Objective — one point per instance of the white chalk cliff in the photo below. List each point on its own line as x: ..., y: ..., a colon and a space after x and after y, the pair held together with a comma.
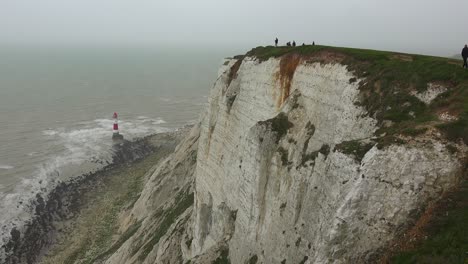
x: 271, y: 183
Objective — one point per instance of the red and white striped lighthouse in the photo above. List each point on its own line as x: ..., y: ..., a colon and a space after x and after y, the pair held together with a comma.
x: 115, y: 129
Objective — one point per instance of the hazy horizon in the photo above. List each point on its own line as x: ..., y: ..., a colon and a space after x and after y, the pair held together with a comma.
x: 424, y: 27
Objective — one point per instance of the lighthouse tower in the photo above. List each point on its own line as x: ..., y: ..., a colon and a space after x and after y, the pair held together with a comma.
x: 115, y: 128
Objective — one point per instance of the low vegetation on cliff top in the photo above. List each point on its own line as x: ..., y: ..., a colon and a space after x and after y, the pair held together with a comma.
x: 444, y: 236
x: 388, y: 83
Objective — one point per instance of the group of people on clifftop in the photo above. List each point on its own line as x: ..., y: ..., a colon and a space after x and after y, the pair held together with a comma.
x: 293, y: 44
x: 464, y: 52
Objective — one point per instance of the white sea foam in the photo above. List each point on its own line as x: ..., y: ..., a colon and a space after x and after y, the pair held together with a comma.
x: 6, y: 167
x: 157, y: 121
x: 92, y: 141
x: 49, y: 132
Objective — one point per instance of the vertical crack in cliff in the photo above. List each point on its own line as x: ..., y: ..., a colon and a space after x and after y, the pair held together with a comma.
x: 299, y: 199
x: 212, y: 124
x: 232, y: 89
x: 264, y: 177
x: 205, y: 215
x: 288, y: 65
x: 271, y: 134
x: 310, y: 131
x: 233, y: 71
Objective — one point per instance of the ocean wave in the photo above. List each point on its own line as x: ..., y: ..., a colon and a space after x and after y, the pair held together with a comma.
x: 158, y: 121
x: 89, y: 146
x: 50, y: 132
x: 6, y: 167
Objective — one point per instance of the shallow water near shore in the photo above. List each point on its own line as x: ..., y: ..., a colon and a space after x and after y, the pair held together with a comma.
x: 56, y: 107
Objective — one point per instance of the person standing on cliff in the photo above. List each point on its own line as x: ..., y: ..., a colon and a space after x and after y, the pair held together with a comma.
x: 465, y: 56
x: 276, y: 42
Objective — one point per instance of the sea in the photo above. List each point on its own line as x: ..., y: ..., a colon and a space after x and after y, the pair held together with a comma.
x: 56, y: 107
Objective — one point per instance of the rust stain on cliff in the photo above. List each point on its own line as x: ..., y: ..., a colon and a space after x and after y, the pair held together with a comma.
x: 288, y: 65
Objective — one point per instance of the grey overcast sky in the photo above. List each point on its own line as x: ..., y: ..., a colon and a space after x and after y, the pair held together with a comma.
x: 436, y: 27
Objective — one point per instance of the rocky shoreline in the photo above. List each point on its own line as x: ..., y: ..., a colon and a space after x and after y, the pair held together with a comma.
x: 55, y: 211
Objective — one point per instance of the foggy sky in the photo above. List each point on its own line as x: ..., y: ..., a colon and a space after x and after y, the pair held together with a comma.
x: 436, y: 27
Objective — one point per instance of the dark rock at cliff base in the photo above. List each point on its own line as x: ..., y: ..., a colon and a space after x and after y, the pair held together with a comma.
x: 63, y: 202
x: 117, y: 137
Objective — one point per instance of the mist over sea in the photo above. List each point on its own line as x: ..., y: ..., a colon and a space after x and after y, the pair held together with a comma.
x: 56, y: 107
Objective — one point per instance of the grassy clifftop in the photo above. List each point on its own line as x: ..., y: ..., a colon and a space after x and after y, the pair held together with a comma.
x: 389, y: 82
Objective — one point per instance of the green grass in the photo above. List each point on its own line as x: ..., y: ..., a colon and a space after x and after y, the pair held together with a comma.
x: 279, y: 124
x: 253, y: 259
x: 223, y: 257
x: 447, y: 233
x: 304, y: 260
x: 414, y: 131
x: 457, y: 129
x: 103, y: 231
x: 389, y: 80
x: 122, y: 239
x: 183, y: 201
x: 356, y: 148
x: 95, y: 233
x: 324, y: 149
x: 264, y: 53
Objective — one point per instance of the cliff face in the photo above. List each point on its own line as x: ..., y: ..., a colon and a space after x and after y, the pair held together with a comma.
x: 297, y: 162
x: 287, y: 168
